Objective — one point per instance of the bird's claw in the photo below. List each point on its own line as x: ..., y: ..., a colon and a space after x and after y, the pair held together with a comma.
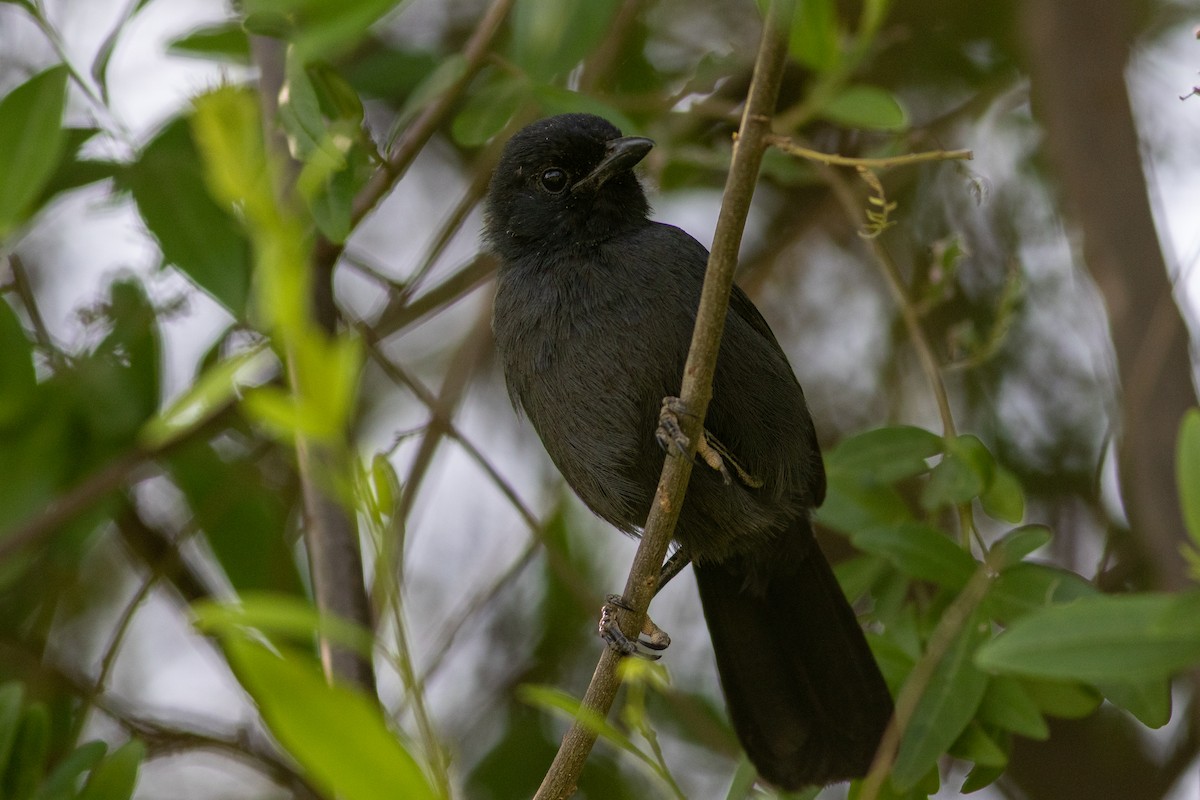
x: 610, y: 631
x: 669, y: 434
x: 709, y: 449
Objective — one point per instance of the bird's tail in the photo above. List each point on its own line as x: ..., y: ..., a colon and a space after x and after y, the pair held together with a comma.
x: 804, y: 692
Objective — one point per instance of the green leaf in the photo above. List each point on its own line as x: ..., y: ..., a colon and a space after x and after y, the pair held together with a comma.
x: 1007, y: 705
x: 195, y: 234
x: 885, y: 455
x: 117, y: 387
x: 330, y: 181
x: 852, y: 505
x: 919, y: 551
x: 27, y: 764
x: 338, y: 98
x: 385, y: 483
x: 963, y: 474
x: 225, y: 41
x: 116, y: 776
x: 1018, y: 543
x: 73, y: 172
x: 300, y: 109
x: 279, y: 615
x: 385, y: 72
x: 1187, y: 472
x: 1027, y: 587
x: 317, y: 28
x: 857, y: 574
x: 550, y: 37
x: 443, y: 76
x: 208, y: 394
x: 486, y: 112
x: 61, y: 782
x: 975, y: 745
x: 865, y: 107
x: 104, y: 52
x: 555, y: 100
x: 947, y: 705
x: 1149, y: 701
x: 12, y: 697
x: 337, y: 734
x: 815, y: 38
x: 551, y: 699
x: 1101, y: 639
x: 227, y: 129
x: 38, y: 457
x: 1064, y: 699
x: 980, y: 777
x: 1003, y: 499
x: 31, y: 142
x: 894, y: 661
x: 244, y: 516
x: 17, y: 374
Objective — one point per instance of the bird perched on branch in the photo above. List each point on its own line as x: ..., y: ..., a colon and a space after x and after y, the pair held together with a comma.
x: 593, y: 317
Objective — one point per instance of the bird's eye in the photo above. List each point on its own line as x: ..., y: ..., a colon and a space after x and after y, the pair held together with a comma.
x: 553, y: 180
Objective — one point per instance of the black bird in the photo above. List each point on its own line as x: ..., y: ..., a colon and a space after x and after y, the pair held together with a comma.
x: 594, y: 311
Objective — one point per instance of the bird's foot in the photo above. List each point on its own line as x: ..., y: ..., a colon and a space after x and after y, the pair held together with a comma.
x: 672, y: 438
x: 655, y: 637
x: 669, y: 433
x: 717, y: 456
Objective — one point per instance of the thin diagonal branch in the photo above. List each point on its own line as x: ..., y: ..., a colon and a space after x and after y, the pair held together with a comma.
x: 560, y: 780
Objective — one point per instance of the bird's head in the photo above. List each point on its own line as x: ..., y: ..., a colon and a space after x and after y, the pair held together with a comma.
x: 565, y: 181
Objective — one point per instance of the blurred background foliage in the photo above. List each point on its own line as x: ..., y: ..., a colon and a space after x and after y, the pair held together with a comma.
x: 233, y: 237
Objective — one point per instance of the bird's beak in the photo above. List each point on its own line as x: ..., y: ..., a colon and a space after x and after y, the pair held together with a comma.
x: 619, y: 155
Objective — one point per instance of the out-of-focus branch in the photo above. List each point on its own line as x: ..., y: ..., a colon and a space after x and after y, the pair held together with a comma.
x: 330, y: 532
x: 560, y: 780
x: 396, y: 318
x: 94, y: 487
x: 1078, y: 50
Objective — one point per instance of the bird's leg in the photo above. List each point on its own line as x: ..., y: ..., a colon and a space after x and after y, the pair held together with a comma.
x: 672, y: 438
x: 709, y: 449
x: 654, y: 637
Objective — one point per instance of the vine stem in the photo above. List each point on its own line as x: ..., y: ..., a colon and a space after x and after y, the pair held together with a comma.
x: 792, y: 147
x: 952, y: 623
x: 561, y: 779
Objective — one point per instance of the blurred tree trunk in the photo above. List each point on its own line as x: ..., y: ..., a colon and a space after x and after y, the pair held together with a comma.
x: 1077, y: 52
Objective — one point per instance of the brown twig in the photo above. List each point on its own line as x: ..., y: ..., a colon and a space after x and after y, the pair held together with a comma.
x: 561, y: 779
x: 396, y: 317
x: 791, y: 147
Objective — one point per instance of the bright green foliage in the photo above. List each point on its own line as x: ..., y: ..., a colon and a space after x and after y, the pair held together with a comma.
x: 945, y: 709
x: 1099, y: 638
x: 196, y: 235
x: 32, y: 139
x: 1187, y: 472
x: 865, y: 107
x: 28, y: 771
x: 338, y: 735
